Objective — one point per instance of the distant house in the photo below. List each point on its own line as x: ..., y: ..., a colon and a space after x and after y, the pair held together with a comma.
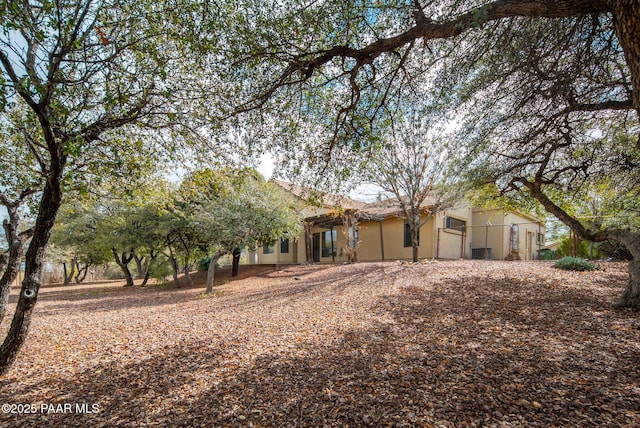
x: 382, y: 232
x: 549, y: 251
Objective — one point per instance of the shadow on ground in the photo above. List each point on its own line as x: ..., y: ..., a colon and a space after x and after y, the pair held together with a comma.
x: 471, y: 352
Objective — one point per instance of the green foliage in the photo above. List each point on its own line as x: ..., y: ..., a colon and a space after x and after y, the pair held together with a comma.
x: 160, y: 269
x: 203, y: 264
x: 565, y: 248
x: 235, y: 208
x: 575, y: 263
x: 76, y: 234
x: 211, y: 211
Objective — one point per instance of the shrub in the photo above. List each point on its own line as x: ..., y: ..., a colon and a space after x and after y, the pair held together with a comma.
x: 565, y: 248
x: 203, y: 264
x: 160, y: 269
x: 575, y: 263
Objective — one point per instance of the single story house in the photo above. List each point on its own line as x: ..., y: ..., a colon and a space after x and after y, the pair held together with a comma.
x: 333, y: 224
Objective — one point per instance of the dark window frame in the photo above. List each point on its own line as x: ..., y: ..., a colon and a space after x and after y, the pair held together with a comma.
x: 284, y: 246
x: 455, y: 224
x: 329, y: 241
x: 407, y: 235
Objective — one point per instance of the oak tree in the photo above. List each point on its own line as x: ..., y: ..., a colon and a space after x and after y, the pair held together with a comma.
x: 85, y: 76
x: 552, y: 88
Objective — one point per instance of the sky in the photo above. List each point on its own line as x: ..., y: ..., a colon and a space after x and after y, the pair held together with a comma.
x: 363, y: 192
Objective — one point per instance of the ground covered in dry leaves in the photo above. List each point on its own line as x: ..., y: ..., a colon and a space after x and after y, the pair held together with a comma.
x: 380, y: 344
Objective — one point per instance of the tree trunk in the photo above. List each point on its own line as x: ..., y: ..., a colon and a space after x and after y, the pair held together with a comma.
x: 187, y: 260
x: 235, y: 265
x: 140, y: 266
x: 174, y: 264
x: 211, y: 272
x: 415, y: 240
x: 145, y: 279
x: 308, y: 242
x: 631, y: 296
x: 414, y: 249
x: 175, y: 269
x: 68, y: 273
x: 626, y: 15
x: 47, y: 211
x: 124, y: 265
x: 351, y: 250
x: 4, y: 261
x: 187, y: 275
x: 82, y: 271
x: 147, y: 260
x: 11, y: 264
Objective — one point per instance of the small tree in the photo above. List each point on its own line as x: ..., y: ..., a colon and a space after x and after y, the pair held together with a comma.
x: 239, y: 210
x: 410, y: 167
x: 74, y: 240
x: 350, y: 232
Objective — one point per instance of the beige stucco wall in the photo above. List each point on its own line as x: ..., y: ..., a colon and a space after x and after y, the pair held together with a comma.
x: 435, y: 239
x: 370, y: 243
x: 392, y: 240
x: 369, y: 237
x: 278, y: 257
x: 497, y: 235
x: 527, y: 236
x: 451, y: 244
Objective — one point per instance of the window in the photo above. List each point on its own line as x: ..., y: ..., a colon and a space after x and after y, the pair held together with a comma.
x: 540, y: 238
x: 267, y: 249
x: 407, y: 235
x: 284, y: 246
x: 455, y: 224
x: 329, y: 238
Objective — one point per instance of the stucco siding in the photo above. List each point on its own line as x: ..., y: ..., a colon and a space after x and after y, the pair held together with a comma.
x: 453, y: 243
x: 493, y: 229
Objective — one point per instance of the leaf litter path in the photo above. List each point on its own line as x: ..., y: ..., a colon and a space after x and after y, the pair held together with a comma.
x: 452, y: 344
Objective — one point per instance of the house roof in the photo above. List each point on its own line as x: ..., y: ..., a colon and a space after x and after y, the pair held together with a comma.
x: 391, y: 207
x: 378, y: 210
x: 330, y: 208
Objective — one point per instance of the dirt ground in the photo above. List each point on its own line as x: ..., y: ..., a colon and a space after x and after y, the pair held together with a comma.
x: 438, y: 344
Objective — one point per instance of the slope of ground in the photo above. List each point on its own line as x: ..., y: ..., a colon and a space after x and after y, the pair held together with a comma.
x: 380, y: 344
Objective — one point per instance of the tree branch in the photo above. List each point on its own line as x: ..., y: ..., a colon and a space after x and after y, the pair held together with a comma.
x: 306, y: 64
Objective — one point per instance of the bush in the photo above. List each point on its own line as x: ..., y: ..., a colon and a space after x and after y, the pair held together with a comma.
x: 203, y: 264
x: 564, y: 249
x: 160, y: 269
x: 575, y: 263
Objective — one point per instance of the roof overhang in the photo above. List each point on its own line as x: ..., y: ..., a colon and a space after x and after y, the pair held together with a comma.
x: 328, y: 221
